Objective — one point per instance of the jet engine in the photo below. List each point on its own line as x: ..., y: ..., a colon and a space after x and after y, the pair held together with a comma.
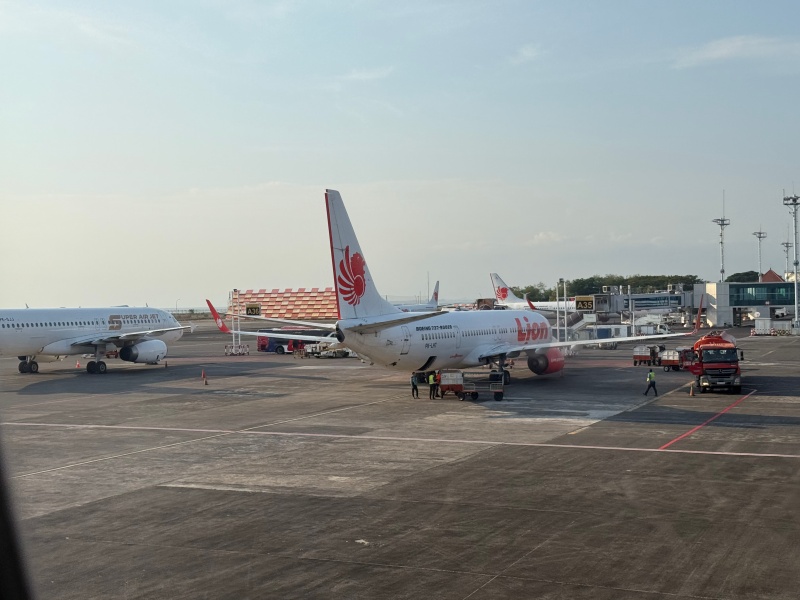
x: 149, y: 352
x: 544, y: 363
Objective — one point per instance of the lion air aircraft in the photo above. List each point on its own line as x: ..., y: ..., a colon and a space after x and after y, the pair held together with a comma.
x: 139, y: 335
x: 508, y: 299
x: 380, y: 332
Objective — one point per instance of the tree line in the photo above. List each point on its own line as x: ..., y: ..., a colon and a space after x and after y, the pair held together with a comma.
x: 640, y: 284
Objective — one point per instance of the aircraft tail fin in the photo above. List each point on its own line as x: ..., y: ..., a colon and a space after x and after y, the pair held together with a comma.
x: 434, y: 301
x: 356, y: 294
x: 502, y: 292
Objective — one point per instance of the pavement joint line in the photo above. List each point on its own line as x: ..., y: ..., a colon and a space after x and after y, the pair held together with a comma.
x: 519, y: 559
x: 421, y: 568
x: 714, y: 418
x: 185, y: 442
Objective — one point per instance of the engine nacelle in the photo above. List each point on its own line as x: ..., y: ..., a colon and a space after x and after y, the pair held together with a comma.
x: 547, y: 362
x: 149, y: 352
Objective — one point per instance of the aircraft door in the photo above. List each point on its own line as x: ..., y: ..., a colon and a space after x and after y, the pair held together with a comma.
x: 458, y: 337
x: 406, y: 340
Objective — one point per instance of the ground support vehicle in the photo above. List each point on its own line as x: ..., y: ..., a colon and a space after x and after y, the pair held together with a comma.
x: 237, y: 349
x: 470, y: 384
x: 677, y: 359
x: 335, y: 353
x: 716, y: 363
x: 645, y: 355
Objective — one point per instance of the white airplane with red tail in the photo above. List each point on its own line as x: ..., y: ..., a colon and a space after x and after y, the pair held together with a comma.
x: 508, y: 299
x: 380, y: 332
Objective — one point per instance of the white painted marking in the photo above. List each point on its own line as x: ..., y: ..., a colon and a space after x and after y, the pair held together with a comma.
x: 369, y: 438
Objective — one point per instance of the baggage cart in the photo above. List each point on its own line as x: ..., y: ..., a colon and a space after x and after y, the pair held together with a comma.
x: 645, y: 355
x: 471, y: 384
x: 677, y: 359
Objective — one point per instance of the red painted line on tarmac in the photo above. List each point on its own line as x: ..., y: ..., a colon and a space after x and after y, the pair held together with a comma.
x: 716, y: 416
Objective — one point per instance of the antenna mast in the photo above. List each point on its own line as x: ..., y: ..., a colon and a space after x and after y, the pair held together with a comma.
x: 723, y: 223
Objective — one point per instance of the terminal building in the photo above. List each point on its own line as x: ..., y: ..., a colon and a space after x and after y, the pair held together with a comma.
x: 724, y: 304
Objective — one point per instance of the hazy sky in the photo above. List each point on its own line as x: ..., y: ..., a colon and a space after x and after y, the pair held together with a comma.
x: 164, y: 152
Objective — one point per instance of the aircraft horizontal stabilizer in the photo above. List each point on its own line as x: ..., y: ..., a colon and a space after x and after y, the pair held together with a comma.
x: 380, y: 323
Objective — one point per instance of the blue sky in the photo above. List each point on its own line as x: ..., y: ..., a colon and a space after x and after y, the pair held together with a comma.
x: 164, y: 152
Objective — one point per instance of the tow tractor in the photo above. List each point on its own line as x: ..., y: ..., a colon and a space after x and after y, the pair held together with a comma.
x: 470, y: 384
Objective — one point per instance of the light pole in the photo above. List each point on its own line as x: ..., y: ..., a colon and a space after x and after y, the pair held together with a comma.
x: 558, y: 310
x: 176, y: 305
x: 791, y: 202
x: 786, y: 245
x: 760, y: 235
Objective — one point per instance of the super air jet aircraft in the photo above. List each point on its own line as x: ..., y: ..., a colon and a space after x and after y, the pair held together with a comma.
x: 432, y: 305
x: 380, y: 332
x: 139, y: 335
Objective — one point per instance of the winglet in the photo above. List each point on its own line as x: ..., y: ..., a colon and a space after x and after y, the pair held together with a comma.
x: 528, y: 300
x: 699, y: 313
x: 217, y: 319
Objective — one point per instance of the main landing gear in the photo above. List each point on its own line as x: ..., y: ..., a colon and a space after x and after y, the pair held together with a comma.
x: 501, y: 367
x: 98, y: 367
x: 26, y: 366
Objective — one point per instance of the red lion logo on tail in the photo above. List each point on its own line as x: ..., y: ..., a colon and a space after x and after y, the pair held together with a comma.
x: 352, y: 277
x: 502, y: 293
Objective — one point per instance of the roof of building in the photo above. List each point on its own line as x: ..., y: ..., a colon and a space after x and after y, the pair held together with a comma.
x: 305, y: 304
x: 771, y: 277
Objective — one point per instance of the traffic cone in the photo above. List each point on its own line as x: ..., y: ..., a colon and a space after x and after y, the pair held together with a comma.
x: 77, y: 364
x: 203, y: 374
x: 691, y: 389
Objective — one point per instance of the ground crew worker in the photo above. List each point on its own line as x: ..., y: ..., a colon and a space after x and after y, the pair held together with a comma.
x: 414, y: 388
x: 432, y: 384
x: 439, y: 393
x: 651, y: 382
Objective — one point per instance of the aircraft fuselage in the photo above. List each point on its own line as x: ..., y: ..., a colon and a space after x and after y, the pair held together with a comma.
x: 52, y: 331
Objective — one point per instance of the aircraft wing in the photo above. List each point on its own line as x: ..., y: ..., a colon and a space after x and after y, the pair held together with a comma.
x: 499, y: 349
x: 320, y: 339
x: 281, y: 336
x: 375, y: 324
x: 517, y: 348
x: 315, y: 325
x: 95, y: 340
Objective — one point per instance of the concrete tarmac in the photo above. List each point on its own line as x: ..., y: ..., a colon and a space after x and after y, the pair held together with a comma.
x: 322, y: 478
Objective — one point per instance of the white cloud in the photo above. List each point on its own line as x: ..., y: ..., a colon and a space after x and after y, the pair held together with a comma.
x: 22, y: 18
x: 526, y: 54
x: 368, y: 74
x: 545, y: 238
x: 743, y: 47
